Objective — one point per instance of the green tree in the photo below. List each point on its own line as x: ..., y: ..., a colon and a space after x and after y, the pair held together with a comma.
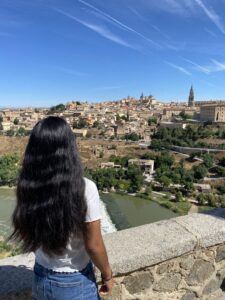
x: 81, y: 123
x: 189, y: 187
x: 21, y: 131
x: 184, y: 115
x: 178, y: 196
x: 9, y: 167
x: 221, y: 189
x: 208, y: 160
x: 201, y: 199
x: 221, y: 171
x: 10, y: 132
x: 152, y: 120
x: 200, y: 171
x: 114, y: 147
x: 132, y: 136
x: 211, y: 199
x: 56, y: 109
x: 95, y: 124
x: 222, y: 161
x: 16, y: 121
x: 166, y: 181
x: 148, y: 155
x: 135, y: 175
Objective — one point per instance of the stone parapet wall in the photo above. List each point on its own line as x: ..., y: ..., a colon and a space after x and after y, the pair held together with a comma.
x: 197, y: 275
x: 181, y: 258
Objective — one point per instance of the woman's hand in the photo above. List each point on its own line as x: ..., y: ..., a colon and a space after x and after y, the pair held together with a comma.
x: 96, y: 249
x: 106, y: 287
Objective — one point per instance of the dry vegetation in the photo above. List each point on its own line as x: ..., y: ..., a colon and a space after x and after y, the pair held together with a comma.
x: 87, y: 149
x: 12, y: 144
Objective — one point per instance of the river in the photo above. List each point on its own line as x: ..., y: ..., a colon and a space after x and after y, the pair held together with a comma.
x: 118, y: 212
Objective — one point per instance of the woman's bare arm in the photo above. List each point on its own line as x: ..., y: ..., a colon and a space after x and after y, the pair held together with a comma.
x: 95, y: 247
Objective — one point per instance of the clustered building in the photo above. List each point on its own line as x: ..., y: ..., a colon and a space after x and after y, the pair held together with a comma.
x: 120, y: 118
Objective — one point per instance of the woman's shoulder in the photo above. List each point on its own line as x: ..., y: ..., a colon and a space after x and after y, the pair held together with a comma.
x: 89, y: 184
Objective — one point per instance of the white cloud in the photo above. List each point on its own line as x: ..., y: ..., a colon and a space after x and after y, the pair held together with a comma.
x: 179, y: 68
x: 103, y: 31
x: 213, y: 67
x: 118, y: 23
x: 181, y: 7
x: 134, y: 11
x: 218, y: 65
x: 211, y: 15
x: 210, y: 32
x: 197, y: 66
x: 161, y: 32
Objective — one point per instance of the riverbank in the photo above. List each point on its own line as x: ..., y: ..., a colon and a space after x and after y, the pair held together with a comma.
x: 8, y: 249
x: 181, y: 207
x: 7, y: 187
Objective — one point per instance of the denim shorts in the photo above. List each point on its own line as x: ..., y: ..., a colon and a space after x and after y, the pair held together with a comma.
x: 49, y: 285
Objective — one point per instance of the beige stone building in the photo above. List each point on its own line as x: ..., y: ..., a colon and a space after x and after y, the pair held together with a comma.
x: 168, y: 113
x: 146, y: 164
x: 80, y: 132
x: 110, y: 165
x: 212, y: 112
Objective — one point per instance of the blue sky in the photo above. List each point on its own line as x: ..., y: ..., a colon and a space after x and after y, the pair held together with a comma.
x: 53, y: 51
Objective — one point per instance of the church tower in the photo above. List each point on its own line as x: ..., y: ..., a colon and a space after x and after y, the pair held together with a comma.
x: 191, y: 97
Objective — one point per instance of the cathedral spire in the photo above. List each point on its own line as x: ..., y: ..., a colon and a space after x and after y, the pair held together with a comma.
x: 191, y: 98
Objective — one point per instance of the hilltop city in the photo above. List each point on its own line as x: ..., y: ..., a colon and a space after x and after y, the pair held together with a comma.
x: 117, y: 118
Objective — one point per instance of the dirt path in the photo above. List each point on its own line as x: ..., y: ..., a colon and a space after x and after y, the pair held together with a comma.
x: 193, y: 209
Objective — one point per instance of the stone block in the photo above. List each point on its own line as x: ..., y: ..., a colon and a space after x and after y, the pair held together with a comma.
x: 139, y: 282
x: 209, y: 228
x: 212, y: 286
x: 200, y: 271
x: 187, y: 262
x: 115, y: 295
x: 165, y: 268
x: 220, y: 253
x: 221, y: 273
x: 210, y: 254
x: 189, y: 296
x: 168, y: 283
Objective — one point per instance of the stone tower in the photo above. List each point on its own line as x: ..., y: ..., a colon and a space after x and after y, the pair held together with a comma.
x: 191, y: 100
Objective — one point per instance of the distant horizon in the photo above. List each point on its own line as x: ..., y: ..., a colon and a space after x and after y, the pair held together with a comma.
x: 117, y: 100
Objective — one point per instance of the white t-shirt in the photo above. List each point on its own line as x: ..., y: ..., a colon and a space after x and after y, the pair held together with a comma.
x: 75, y: 257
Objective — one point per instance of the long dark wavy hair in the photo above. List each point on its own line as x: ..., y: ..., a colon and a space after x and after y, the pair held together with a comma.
x: 51, y: 204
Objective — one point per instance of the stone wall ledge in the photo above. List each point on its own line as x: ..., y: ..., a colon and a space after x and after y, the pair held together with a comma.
x: 134, y: 249
x: 147, y: 245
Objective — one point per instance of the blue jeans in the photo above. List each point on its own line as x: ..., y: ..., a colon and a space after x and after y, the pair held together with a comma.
x: 49, y: 285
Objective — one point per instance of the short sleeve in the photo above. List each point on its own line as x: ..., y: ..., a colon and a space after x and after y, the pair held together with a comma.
x: 93, y: 201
